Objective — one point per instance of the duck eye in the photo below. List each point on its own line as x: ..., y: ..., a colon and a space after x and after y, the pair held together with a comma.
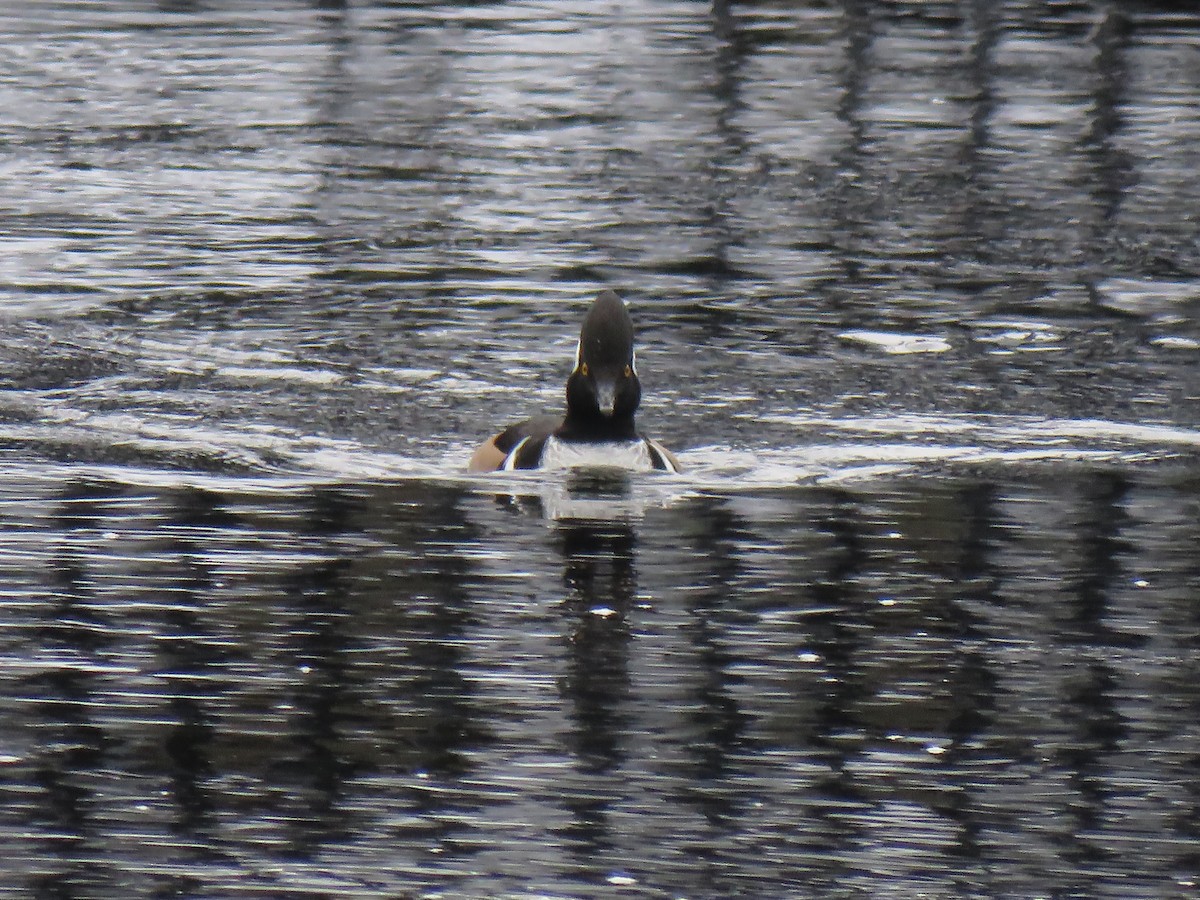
x: 628, y: 371
x: 583, y: 369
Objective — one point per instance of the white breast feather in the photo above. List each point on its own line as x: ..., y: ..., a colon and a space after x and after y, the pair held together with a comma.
x: 631, y: 455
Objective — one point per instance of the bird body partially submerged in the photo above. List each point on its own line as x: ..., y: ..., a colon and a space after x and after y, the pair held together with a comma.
x: 603, y: 393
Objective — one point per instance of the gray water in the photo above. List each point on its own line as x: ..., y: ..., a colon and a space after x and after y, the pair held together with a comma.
x: 917, y: 297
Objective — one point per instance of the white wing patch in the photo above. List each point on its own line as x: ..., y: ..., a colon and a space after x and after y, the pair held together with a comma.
x: 510, y: 461
x: 664, y: 455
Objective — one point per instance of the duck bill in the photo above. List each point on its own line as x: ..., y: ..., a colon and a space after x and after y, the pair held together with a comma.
x: 606, y: 396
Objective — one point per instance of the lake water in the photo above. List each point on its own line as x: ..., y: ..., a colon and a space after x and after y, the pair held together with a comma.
x: 917, y: 291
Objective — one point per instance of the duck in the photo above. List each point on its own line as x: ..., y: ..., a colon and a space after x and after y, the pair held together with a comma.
x: 603, y: 394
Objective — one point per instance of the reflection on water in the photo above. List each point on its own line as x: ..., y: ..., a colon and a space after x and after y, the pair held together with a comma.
x: 297, y: 238
x: 916, y: 295
x: 968, y: 686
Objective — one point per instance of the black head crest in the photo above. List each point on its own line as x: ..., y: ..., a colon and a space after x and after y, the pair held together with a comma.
x: 606, y: 339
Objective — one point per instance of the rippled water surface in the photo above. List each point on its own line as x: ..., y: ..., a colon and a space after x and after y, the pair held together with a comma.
x: 917, y: 296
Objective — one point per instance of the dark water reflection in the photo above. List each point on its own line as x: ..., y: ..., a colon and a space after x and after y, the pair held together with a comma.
x: 916, y: 286
x: 962, y: 687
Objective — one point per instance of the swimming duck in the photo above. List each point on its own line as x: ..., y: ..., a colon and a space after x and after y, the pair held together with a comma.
x: 603, y: 393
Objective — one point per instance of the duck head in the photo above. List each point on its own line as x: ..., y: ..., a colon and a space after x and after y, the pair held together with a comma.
x: 604, y: 388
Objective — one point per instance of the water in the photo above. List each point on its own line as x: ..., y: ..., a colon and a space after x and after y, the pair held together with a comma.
x: 917, y: 302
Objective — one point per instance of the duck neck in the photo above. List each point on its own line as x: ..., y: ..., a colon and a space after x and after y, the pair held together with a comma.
x: 596, y: 427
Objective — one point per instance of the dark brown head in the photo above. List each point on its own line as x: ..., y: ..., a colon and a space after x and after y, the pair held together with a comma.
x: 603, y: 390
